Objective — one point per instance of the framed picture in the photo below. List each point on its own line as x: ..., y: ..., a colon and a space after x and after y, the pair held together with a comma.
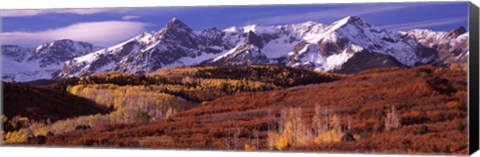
x: 375, y: 78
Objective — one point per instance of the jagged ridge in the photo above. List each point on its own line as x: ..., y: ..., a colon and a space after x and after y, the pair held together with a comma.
x: 307, y: 45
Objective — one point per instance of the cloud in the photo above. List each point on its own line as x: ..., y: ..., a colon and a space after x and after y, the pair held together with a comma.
x: 130, y: 17
x: 22, y: 13
x: 423, y: 24
x: 140, y: 11
x: 104, y: 33
x: 332, y: 13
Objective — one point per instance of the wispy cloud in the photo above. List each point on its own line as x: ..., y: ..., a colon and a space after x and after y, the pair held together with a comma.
x: 139, y: 11
x: 104, y: 33
x: 130, y: 17
x: 332, y: 13
x: 22, y: 13
x: 423, y: 24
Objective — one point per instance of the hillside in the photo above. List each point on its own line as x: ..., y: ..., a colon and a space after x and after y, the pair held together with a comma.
x: 415, y: 110
x: 158, y: 96
x: 26, y: 106
x: 41, y: 103
x: 206, y: 83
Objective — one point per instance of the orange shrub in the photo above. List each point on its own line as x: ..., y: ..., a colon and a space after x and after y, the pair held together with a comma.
x: 453, y: 104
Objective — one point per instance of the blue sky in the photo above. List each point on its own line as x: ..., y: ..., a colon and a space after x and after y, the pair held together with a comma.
x: 106, y: 27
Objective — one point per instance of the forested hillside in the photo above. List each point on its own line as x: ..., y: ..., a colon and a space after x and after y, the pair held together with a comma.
x: 416, y: 110
x: 157, y: 97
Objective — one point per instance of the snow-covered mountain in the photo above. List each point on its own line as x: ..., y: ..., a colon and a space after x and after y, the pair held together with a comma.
x: 176, y: 44
x: 341, y: 40
x: 336, y: 47
x: 42, y: 62
x: 452, y: 47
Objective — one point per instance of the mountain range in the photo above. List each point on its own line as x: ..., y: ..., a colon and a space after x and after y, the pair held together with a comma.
x: 348, y: 45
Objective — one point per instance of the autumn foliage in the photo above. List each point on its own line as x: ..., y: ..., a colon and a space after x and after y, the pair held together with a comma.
x: 391, y: 110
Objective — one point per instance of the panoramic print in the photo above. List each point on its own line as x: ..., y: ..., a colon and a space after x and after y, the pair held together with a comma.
x: 361, y: 78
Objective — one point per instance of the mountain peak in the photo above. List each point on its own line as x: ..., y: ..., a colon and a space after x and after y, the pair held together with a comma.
x: 61, y: 43
x: 56, y: 42
x: 309, y: 23
x: 252, y: 38
x: 457, y: 31
x: 144, y: 37
x: 68, y: 42
x: 63, y: 40
x: 353, y: 18
x: 250, y: 28
x: 231, y: 29
x: 350, y: 20
x: 175, y: 23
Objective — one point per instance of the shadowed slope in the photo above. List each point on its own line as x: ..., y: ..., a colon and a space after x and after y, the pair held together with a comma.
x: 41, y: 103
